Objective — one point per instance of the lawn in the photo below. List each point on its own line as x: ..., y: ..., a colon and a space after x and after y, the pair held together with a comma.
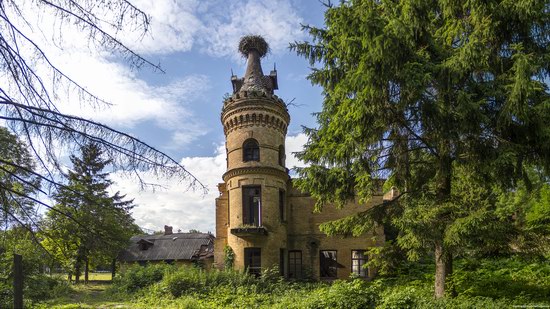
x: 91, y: 276
x: 90, y: 295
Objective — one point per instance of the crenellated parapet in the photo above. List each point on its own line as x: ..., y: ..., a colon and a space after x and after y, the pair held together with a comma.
x: 250, y: 109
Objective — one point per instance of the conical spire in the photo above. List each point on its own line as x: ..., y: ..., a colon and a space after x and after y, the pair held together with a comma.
x: 253, y: 78
x: 254, y: 47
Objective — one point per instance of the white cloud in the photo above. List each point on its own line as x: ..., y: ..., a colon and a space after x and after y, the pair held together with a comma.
x: 176, y: 205
x: 174, y: 26
x: 276, y: 20
x: 182, y: 208
x: 294, y: 144
x: 215, y: 26
x: 134, y: 101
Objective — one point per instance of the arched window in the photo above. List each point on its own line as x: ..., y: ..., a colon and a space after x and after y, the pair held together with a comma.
x: 251, y: 150
x: 282, y: 155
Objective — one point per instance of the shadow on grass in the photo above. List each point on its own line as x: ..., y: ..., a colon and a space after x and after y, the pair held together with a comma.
x: 91, y: 295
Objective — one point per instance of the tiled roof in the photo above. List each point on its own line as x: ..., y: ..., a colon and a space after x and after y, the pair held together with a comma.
x: 177, y: 246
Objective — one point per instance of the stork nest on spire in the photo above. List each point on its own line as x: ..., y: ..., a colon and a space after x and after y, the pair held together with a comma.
x: 250, y: 42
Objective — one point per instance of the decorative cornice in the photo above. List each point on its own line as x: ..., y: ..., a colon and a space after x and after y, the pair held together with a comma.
x: 249, y: 108
x: 264, y: 170
x: 249, y: 95
x: 255, y: 118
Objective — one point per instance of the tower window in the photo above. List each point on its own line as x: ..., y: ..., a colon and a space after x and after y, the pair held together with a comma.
x: 282, y: 155
x: 358, y: 261
x: 253, y: 261
x: 252, y: 205
x: 282, y: 214
x: 251, y: 150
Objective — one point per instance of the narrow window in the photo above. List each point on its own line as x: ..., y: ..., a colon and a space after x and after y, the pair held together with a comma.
x: 252, y: 205
x: 251, y: 150
x: 282, y: 206
x: 253, y: 261
x: 328, y: 264
x: 228, y: 208
x: 295, y: 264
x: 282, y: 261
x: 282, y: 155
x: 358, y: 262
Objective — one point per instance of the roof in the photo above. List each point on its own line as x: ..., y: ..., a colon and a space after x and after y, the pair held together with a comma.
x: 177, y: 246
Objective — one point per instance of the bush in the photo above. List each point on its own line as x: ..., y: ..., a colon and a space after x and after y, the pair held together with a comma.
x: 490, y: 283
x: 188, y: 280
x: 137, y: 277
x: 341, y: 294
x: 36, y: 288
x: 401, y: 298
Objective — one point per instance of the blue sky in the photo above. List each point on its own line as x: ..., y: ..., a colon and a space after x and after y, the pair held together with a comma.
x: 179, y: 112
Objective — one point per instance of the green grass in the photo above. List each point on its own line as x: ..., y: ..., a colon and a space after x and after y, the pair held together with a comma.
x: 91, y: 276
x: 91, y: 295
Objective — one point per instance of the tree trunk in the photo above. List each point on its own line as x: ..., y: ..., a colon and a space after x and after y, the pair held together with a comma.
x: 17, y: 281
x: 113, y: 269
x: 86, y: 270
x: 70, y: 277
x: 450, y: 285
x: 442, y: 261
x: 77, y: 270
x: 441, y: 268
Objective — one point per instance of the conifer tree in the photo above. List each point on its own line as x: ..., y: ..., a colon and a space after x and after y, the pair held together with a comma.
x: 87, y: 223
x: 448, y: 100
x: 18, y: 182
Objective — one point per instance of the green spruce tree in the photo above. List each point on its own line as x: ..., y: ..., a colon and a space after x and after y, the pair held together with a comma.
x: 87, y: 223
x: 18, y: 182
x: 448, y: 100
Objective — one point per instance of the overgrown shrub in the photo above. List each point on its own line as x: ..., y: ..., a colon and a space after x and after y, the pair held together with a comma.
x: 137, y: 277
x: 36, y: 288
x: 479, y: 284
x: 503, y: 278
x: 188, y: 280
x: 343, y: 294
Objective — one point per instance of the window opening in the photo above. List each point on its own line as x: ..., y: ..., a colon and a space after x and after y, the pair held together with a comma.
x: 282, y: 206
x: 295, y: 264
x: 328, y: 264
x: 358, y: 261
x: 251, y: 150
x: 252, y: 205
x: 253, y: 261
x: 282, y: 155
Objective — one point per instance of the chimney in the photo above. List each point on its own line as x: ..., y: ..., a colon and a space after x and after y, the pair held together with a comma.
x: 167, y: 230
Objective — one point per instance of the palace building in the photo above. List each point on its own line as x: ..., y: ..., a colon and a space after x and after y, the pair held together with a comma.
x: 260, y: 217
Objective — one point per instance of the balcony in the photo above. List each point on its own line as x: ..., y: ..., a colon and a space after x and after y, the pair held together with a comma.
x: 249, y: 231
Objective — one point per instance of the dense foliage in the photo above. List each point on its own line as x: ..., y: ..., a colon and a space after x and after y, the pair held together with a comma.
x: 479, y: 284
x: 88, y: 224
x: 18, y: 181
x: 448, y: 100
x: 36, y: 285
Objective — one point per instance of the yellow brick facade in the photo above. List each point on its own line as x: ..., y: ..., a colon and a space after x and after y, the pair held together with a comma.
x: 283, y: 222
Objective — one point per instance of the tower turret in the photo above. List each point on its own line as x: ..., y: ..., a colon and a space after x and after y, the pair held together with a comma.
x: 255, y: 123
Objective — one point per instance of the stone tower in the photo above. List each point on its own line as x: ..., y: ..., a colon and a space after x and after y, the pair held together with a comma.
x: 252, y: 208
